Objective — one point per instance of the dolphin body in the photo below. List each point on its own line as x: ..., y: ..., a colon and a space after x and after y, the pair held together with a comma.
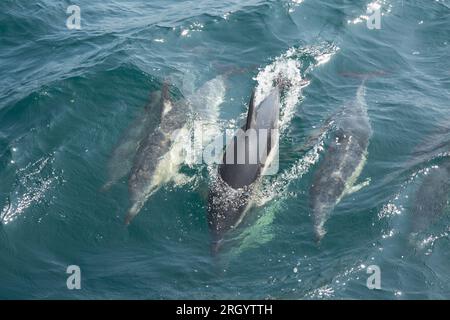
x: 343, y: 162
x: 157, y: 158
x: 121, y: 161
x: 152, y: 157
x: 231, y: 193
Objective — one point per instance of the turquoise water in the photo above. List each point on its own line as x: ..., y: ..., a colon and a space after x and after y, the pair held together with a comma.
x: 68, y: 96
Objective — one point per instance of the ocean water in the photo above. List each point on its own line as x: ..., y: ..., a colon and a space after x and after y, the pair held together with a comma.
x: 68, y: 97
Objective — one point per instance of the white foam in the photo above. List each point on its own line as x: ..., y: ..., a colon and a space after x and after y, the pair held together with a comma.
x: 288, y: 69
x: 383, y: 5
x: 34, y: 181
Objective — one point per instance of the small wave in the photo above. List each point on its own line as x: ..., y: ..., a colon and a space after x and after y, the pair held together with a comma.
x: 33, y: 183
x: 337, y: 284
x: 278, y: 187
x: 427, y: 243
x: 400, y: 203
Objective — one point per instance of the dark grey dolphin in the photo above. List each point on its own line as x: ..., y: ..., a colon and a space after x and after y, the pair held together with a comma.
x: 230, y: 195
x: 342, y: 163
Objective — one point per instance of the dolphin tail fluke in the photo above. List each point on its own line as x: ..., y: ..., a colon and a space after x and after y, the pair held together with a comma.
x: 133, y: 212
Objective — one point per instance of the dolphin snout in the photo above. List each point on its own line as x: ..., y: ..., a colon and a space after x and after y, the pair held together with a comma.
x: 319, y: 232
x: 320, y: 213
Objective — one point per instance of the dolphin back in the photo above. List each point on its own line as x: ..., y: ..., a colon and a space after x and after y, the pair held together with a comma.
x: 231, y: 192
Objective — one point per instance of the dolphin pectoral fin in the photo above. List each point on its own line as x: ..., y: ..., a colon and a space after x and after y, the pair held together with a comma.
x: 358, y: 187
x: 133, y: 211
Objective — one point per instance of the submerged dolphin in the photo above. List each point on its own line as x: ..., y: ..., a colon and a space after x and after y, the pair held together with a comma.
x: 121, y: 161
x: 160, y: 154
x: 157, y: 158
x: 230, y: 195
x: 431, y: 198
x: 342, y: 163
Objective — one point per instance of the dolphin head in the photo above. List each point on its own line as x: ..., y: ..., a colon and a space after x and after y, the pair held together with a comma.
x: 321, y: 212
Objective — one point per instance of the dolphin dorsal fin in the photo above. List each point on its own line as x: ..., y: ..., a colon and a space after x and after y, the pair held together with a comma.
x: 251, y: 116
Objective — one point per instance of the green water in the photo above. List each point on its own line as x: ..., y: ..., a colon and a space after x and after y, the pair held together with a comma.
x: 68, y: 96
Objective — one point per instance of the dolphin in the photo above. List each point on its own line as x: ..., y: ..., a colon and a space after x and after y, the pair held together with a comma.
x: 431, y: 198
x: 121, y: 161
x: 157, y: 159
x: 231, y: 192
x: 343, y: 162
x: 161, y: 152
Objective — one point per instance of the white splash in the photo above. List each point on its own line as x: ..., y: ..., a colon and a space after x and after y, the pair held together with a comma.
x: 287, y: 68
x: 194, y: 27
x: 339, y: 281
x: 289, y: 71
x: 33, y: 183
x: 278, y: 186
x: 381, y: 5
x: 293, y: 5
x: 389, y: 210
